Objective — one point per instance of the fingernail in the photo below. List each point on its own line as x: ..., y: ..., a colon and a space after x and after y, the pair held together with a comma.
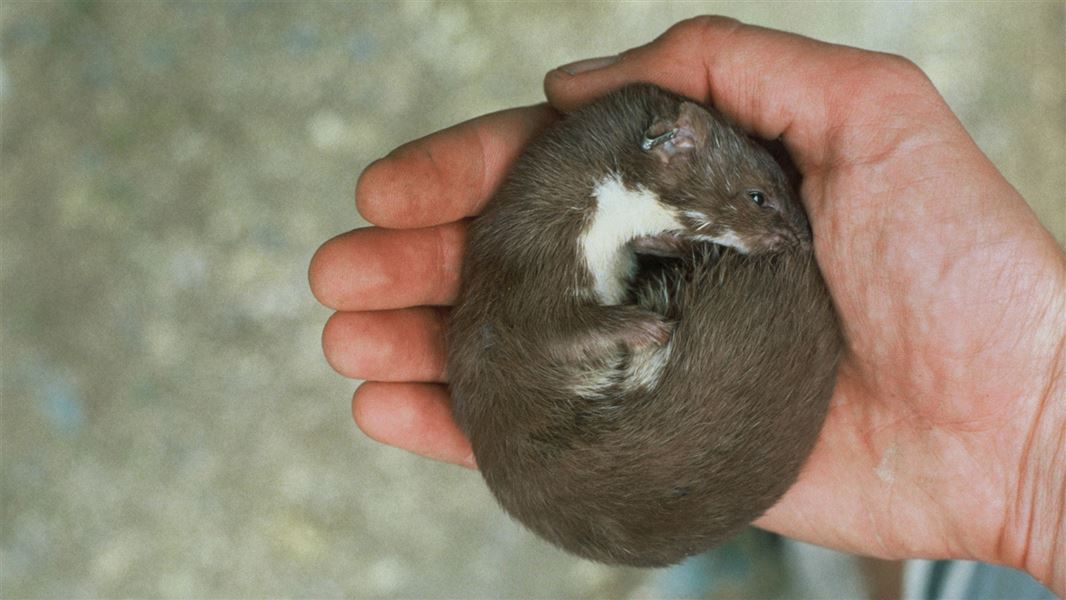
x: 589, y: 64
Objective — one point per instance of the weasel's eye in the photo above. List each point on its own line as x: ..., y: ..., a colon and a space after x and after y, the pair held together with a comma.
x: 757, y: 197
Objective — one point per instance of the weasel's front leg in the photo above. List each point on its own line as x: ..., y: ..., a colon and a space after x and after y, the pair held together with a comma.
x: 667, y: 244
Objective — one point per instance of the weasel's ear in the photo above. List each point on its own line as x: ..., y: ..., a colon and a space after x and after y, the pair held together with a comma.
x: 677, y: 138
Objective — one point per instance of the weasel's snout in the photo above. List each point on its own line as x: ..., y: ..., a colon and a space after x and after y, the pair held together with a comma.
x: 789, y: 235
x: 779, y: 240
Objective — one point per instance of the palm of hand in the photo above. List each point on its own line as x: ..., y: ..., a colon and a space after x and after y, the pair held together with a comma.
x: 925, y: 276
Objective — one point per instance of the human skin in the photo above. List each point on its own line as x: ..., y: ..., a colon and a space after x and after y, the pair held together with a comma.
x: 946, y: 435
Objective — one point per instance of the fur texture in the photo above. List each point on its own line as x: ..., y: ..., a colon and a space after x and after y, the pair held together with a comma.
x: 642, y: 431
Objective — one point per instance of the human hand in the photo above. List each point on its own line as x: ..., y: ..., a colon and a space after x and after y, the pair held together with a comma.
x: 945, y: 432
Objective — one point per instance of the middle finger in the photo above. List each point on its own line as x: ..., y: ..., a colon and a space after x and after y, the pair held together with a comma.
x: 376, y: 269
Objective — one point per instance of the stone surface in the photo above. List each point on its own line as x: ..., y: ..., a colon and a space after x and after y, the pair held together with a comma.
x: 169, y: 426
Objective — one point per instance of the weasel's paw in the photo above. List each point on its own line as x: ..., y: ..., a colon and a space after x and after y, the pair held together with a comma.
x: 647, y: 329
x: 668, y: 244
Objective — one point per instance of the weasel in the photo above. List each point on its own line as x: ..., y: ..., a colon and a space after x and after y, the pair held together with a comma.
x: 643, y: 349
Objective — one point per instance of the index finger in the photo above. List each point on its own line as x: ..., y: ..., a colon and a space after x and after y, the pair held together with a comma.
x: 448, y: 175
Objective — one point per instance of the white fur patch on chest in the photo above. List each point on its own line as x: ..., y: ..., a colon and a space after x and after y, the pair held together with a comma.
x: 621, y: 215
x: 727, y: 238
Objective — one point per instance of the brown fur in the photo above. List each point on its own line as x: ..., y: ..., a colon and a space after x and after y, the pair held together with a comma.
x: 632, y: 475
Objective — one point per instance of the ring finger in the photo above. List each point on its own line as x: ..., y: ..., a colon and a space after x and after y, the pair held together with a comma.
x: 390, y: 345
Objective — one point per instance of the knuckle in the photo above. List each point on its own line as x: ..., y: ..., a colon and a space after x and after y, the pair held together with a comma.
x: 702, y: 26
x: 687, y: 40
x: 439, y: 256
x: 897, y: 72
x: 901, y: 67
x: 439, y: 339
x: 446, y: 256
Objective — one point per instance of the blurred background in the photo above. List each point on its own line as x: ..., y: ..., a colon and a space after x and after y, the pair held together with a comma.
x: 169, y: 426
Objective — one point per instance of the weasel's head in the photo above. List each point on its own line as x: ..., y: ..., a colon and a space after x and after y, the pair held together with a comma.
x: 726, y: 188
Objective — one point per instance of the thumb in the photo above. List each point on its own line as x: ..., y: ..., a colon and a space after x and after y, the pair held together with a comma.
x: 772, y: 83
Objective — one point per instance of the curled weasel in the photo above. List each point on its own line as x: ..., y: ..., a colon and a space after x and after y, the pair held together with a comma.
x: 643, y: 348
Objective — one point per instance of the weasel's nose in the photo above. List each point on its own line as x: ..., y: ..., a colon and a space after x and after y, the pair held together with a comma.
x: 791, y: 237
x: 778, y: 240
